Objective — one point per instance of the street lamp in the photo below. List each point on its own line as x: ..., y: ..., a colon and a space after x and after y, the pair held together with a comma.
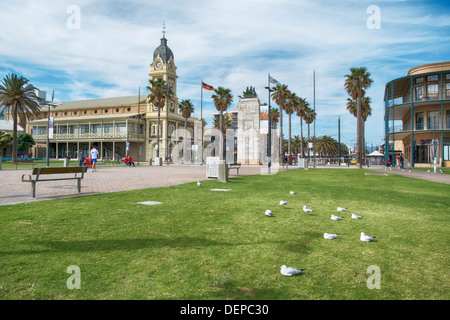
x: 48, y: 132
x: 269, y: 136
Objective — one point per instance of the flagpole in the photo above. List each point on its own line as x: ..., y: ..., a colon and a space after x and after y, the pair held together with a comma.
x: 201, y: 117
x: 138, y: 123
x: 314, y: 92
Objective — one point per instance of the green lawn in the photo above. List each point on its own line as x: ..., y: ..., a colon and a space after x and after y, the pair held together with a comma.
x: 202, y: 244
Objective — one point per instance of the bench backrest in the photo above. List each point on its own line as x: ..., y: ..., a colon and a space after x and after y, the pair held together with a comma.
x: 58, y: 170
x: 23, y: 161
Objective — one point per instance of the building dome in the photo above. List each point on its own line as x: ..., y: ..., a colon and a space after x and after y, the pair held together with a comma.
x: 163, y: 51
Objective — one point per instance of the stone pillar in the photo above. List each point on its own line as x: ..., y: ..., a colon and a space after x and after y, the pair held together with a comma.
x: 248, y: 136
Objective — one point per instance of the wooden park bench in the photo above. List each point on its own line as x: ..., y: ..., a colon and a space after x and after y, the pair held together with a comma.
x: 236, y: 166
x: 37, y: 173
x: 26, y: 162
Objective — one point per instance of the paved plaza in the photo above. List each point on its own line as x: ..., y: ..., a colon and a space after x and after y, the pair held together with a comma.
x: 113, y: 179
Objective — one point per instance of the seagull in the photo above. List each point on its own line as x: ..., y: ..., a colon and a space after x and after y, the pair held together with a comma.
x: 269, y: 213
x: 341, y: 209
x: 283, y: 203
x: 440, y: 171
x: 292, y: 192
x: 307, y: 209
x: 336, y: 218
x: 428, y: 171
x: 354, y: 216
x: 199, y: 184
x: 330, y: 236
x: 366, y: 238
x: 289, y: 271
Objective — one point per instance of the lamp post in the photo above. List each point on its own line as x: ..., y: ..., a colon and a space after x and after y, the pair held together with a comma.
x: 48, y: 132
x: 269, y: 135
x: 434, y: 143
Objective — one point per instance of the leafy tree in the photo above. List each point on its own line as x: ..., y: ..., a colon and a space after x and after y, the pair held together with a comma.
x: 24, y: 142
x: 6, y: 141
x: 20, y: 101
x: 300, y: 109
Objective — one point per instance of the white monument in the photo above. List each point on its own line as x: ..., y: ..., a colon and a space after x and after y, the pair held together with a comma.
x: 248, y: 135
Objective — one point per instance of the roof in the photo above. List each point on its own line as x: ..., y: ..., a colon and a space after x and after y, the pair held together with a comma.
x: 163, y: 51
x: 7, y: 125
x: 102, y: 102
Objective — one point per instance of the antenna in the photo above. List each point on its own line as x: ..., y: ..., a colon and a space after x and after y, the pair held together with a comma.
x: 164, y: 29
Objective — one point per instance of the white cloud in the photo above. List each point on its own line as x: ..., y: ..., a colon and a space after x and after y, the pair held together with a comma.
x: 231, y: 43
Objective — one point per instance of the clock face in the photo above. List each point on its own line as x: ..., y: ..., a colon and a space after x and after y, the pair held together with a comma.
x: 159, y: 65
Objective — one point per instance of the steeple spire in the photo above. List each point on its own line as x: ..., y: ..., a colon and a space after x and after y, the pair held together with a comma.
x: 164, y: 29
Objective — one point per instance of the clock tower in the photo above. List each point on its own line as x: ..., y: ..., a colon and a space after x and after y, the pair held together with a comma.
x: 163, y: 66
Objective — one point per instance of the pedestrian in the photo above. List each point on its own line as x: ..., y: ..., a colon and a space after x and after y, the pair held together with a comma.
x: 117, y: 158
x: 402, y: 161
x: 388, y: 162
x: 94, y: 156
x: 81, y: 158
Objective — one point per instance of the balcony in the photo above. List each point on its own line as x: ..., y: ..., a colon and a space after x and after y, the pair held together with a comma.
x: 419, y: 127
x: 87, y: 136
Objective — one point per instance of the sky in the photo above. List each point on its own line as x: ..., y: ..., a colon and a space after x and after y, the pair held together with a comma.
x: 102, y: 49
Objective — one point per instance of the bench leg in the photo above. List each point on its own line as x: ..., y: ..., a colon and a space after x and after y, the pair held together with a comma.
x: 33, y: 189
x: 79, y: 185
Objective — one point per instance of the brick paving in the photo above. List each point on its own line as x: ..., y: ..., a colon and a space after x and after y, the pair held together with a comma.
x: 114, y: 179
x: 104, y: 180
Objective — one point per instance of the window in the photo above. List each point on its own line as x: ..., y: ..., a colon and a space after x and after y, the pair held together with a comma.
x: 432, y: 120
x: 62, y: 129
x: 419, y: 80
x: 446, y: 154
x: 107, y: 128
x: 121, y: 128
x: 433, y: 77
x: 447, y: 76
x: 447, y: 120
x: 419, y: 93
x: 106, y: 110
x: 117, y: 109
x: 419, y: 121
x: 84, y: 128
x: 425, y: 150
x: 447, y: 89
x: 95, y: 111
x: 128, y: 109
x: 73, y: 129
x: 96, y: 128
x: 432, y: 91
x: 75, y: 113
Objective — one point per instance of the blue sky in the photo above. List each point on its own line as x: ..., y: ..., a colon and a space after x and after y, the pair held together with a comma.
x: 234, y: 44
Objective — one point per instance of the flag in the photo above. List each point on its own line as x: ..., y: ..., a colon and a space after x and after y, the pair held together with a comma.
x: 207, y: 87
x: 170, y: 91
x: 273, y: 80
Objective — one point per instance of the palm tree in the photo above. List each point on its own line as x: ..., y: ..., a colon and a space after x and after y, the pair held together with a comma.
x: 226, y: 123
x: 279, y: 96
x: 19, y: 100
x: 186, y: 108
x: 310, y: 116
x: 355, y: 84
x: 301, y: 109
x: 158, y: 89
x: 222, y: 98
x: 274, y: 117
x: 326, y: 146
x: 366, y: 110
x: 291, y: 104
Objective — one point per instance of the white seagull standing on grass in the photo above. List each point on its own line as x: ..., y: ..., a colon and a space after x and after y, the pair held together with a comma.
x: 365, y: 237
x: 289, y: 271
x: 269, y: 213
x: 199, y: 184
x: 307, y: 209
x: 330, y: 236
x: 354, y: 216
x: 341, y: 209
x: 292, y: 192
x: 283, y: 203
x: 335, y: 218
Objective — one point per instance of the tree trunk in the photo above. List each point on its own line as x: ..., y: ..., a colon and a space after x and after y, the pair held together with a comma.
x: 301, y: 137
x: 157, y: 134
x: 289, y: 142
x: 281, y: 135
x: 14, y: 149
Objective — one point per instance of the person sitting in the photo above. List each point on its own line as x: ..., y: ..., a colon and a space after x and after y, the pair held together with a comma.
x: 125, y: 161
x: 130, y: 162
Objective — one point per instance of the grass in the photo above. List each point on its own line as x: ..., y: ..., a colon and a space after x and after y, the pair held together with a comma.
x: 200, y: 244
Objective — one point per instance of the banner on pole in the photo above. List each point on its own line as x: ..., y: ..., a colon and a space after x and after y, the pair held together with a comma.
x: 264, y: 119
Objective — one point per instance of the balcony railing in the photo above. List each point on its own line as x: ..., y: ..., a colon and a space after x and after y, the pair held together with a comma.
x: 422, y: 98
x: 78, y: 136
x: 419, y: 126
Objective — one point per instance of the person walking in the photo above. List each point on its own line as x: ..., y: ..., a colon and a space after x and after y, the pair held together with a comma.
x: 94, y: 156
x: 81, y: 158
